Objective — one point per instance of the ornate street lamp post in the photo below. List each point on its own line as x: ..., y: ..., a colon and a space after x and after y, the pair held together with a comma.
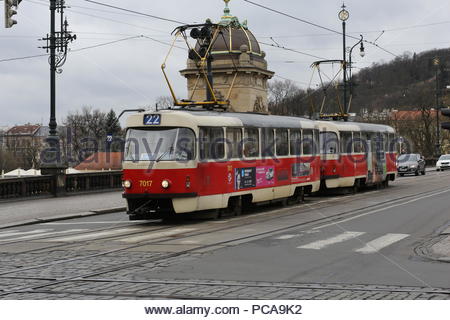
x: 436, y: 63
x: 343, y: 16
x: 362, y: 53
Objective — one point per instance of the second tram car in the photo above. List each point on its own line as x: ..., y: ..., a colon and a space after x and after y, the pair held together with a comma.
x: 178, y: 161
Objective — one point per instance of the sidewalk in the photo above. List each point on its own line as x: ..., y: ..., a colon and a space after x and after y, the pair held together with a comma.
x: 441, y: 249
x: 39, y: 210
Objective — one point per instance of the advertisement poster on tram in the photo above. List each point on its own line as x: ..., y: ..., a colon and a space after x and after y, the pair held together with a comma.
x: 265, y: 176
x: 246, y: 178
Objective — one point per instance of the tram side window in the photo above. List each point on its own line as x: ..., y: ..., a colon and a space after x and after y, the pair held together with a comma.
x: 251, y: 142
x: 308, y: 142
x: 211, y: 143
x: 366, y: 142
x: 386, y: 141
x: 346, y: 142
x: 316, y: 145
x: 282, y: 142
x: 357, y: 145
x: 267, y: 142
x: 234, y: 142
x: 296, y: 142
x: 329, y: 142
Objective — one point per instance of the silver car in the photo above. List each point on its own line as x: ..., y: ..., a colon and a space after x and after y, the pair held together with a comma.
x: 443, y: 163
x: 410, y: 163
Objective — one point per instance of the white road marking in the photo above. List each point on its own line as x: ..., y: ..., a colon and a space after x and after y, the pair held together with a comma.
x: 91, y: 222
x: 9, y: 231
x: 317, y: 245
x: 381, y: 242
x: 155, y: 235
x: 287, y: 236
x: 24, y: 233
x: 96, y: 235
x: 381, y: 209
x: 45, y: 234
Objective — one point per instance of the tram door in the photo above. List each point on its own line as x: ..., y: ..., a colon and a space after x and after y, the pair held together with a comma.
x: 380, y: 157
x: 376, y: 160
x: 369, y: 157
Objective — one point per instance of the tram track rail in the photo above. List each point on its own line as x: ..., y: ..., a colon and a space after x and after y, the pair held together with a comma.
x: 238, y: 223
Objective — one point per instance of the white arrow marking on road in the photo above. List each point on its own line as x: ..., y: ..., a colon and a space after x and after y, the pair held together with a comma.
x: 45, y: 234
x: 381, y: 242
x: 328, y: 242
x: 23, y: 233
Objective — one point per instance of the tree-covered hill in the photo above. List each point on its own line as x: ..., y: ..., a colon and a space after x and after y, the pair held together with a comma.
x: 405, y: 83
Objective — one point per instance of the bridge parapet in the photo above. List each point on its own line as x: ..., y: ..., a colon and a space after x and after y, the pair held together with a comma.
x: 45, y: 186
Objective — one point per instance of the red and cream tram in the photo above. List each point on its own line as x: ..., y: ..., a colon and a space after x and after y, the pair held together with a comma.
x: 184, y: 161
x: 356, y: 154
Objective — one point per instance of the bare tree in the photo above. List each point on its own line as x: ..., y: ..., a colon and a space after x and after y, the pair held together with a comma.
x: 164, y: 102
x: 86, y: 133
x: 281, y: 90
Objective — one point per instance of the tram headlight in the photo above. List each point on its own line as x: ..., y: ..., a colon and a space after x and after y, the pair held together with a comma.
x: 126, y: 184
x: 165, y: 184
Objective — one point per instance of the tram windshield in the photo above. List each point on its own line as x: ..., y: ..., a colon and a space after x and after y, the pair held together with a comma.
x: 159, y: 144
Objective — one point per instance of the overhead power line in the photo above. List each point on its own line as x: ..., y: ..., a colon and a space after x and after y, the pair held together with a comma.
x: 292, y: 50
x: 74, y: 50
x: 135, y: 12
x: 316, y: 25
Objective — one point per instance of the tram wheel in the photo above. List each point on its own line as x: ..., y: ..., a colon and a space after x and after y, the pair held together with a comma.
x: 235, y: 206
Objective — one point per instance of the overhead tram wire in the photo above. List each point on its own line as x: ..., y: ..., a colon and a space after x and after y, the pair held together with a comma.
x: 292, y: 50
x: 69, y: 9
x: 317, y: 26
x: 135, y: 12
x: 74, y: 50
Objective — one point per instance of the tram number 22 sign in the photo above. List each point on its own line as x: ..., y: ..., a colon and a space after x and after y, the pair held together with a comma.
x: 152, y: 120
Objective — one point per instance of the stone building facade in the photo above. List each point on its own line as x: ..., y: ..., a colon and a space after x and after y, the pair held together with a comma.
x: 235, y: 51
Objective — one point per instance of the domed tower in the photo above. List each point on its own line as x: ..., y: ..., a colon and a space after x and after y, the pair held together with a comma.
x: 238, y: 63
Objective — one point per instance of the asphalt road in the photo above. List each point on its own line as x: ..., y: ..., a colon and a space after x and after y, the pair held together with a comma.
x: 369, y: 245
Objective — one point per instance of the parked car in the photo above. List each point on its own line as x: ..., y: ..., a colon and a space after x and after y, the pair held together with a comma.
x: 410, y: 163
x: 443, y: 163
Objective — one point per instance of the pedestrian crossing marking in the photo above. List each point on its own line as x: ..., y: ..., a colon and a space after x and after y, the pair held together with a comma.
x: 317, y: 245
x: 287, y: 237
x: 95, y: 235
x: 155, y: 235
x: 381, y: 242
x: 44, y: 234
x: 12, y: 234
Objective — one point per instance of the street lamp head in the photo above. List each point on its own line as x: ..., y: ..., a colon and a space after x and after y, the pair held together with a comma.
x: 344, y: 14
x: 362, y: 52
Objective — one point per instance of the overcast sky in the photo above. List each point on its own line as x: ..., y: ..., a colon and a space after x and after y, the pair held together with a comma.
x: 127, y: 74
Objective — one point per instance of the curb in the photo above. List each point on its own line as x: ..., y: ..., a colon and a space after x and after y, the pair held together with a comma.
x: 63, y: 217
